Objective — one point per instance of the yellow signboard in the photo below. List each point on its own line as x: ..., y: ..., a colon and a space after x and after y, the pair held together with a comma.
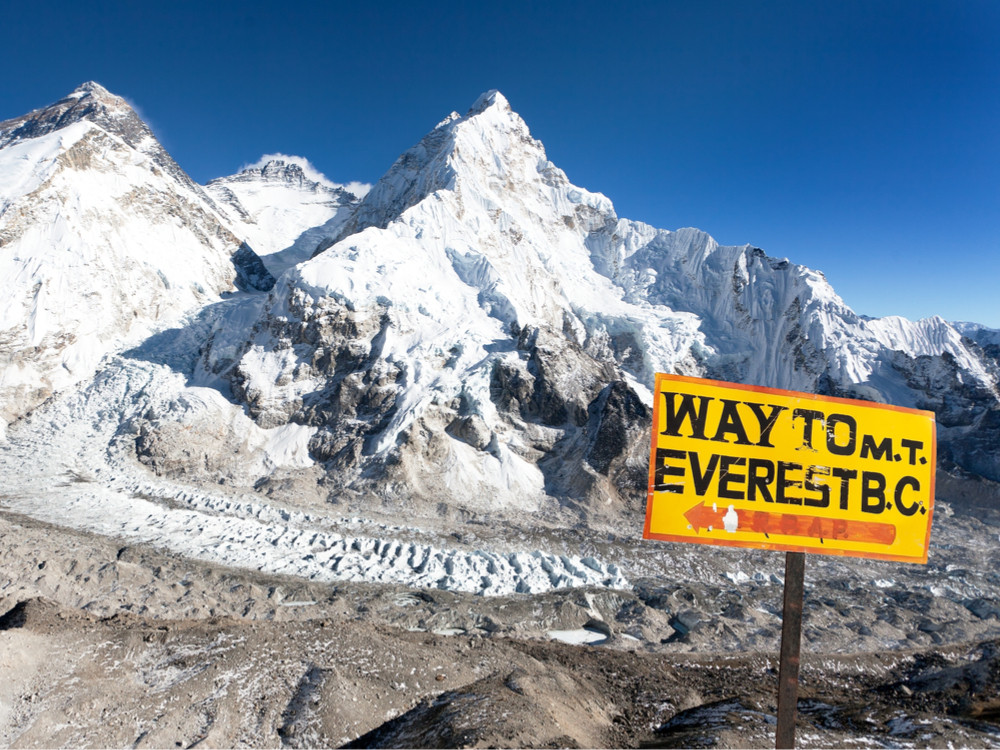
x: 746, y: 466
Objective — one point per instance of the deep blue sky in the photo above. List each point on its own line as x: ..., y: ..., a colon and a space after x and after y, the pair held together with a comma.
x: 858, y: 138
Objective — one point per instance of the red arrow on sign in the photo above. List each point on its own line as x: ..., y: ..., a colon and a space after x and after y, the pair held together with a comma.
x: 791, y: 524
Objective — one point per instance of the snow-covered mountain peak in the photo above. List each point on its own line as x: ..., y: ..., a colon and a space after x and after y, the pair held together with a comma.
x: 297, y: 172
x: 487, y: 99
x: 466, y: 275
x: 486, y: 189
x: 283, y: 203
x: 486, y: 156
x: 91, y: 102
x: 105, y: 238
x: 95, y: 90
x: 282, y: 168
x: 491, y: 119
x: 277, y: 170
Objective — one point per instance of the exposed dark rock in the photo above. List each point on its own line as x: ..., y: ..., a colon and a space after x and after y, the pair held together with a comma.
x: 984, y: 609
x: 616, y: 414
x: 251, y: 273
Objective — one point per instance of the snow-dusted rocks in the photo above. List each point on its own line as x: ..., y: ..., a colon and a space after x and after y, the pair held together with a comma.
x: 103, y: 239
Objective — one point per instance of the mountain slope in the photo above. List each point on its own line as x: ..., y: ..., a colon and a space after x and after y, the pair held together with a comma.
x: 103, y: 238
x: 400, y: 342
x: 283, y: 204
x: 481, y: 333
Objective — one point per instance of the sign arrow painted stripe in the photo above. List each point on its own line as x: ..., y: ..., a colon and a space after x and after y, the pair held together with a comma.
x: 791, y: 524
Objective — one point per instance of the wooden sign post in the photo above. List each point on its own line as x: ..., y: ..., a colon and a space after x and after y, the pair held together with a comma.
x: 791, y: 637
x: 746, y: 466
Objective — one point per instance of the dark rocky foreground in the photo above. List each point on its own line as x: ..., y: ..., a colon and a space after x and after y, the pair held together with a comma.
x: 75, y: 680
x: 222, y: 657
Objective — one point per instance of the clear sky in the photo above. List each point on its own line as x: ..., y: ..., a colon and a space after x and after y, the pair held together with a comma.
x: 858, y: 138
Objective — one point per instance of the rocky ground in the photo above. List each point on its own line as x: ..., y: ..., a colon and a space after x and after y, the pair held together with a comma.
x: 110, y: 645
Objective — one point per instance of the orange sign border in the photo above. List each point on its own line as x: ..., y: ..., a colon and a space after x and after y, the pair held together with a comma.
x: 647, y: 534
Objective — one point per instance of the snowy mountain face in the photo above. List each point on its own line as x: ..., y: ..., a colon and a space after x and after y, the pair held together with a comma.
x: 456, y: 341
x: 103, y: 239
x: 282, y: 204
x: 481, y: 333
x: 93, y: 104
